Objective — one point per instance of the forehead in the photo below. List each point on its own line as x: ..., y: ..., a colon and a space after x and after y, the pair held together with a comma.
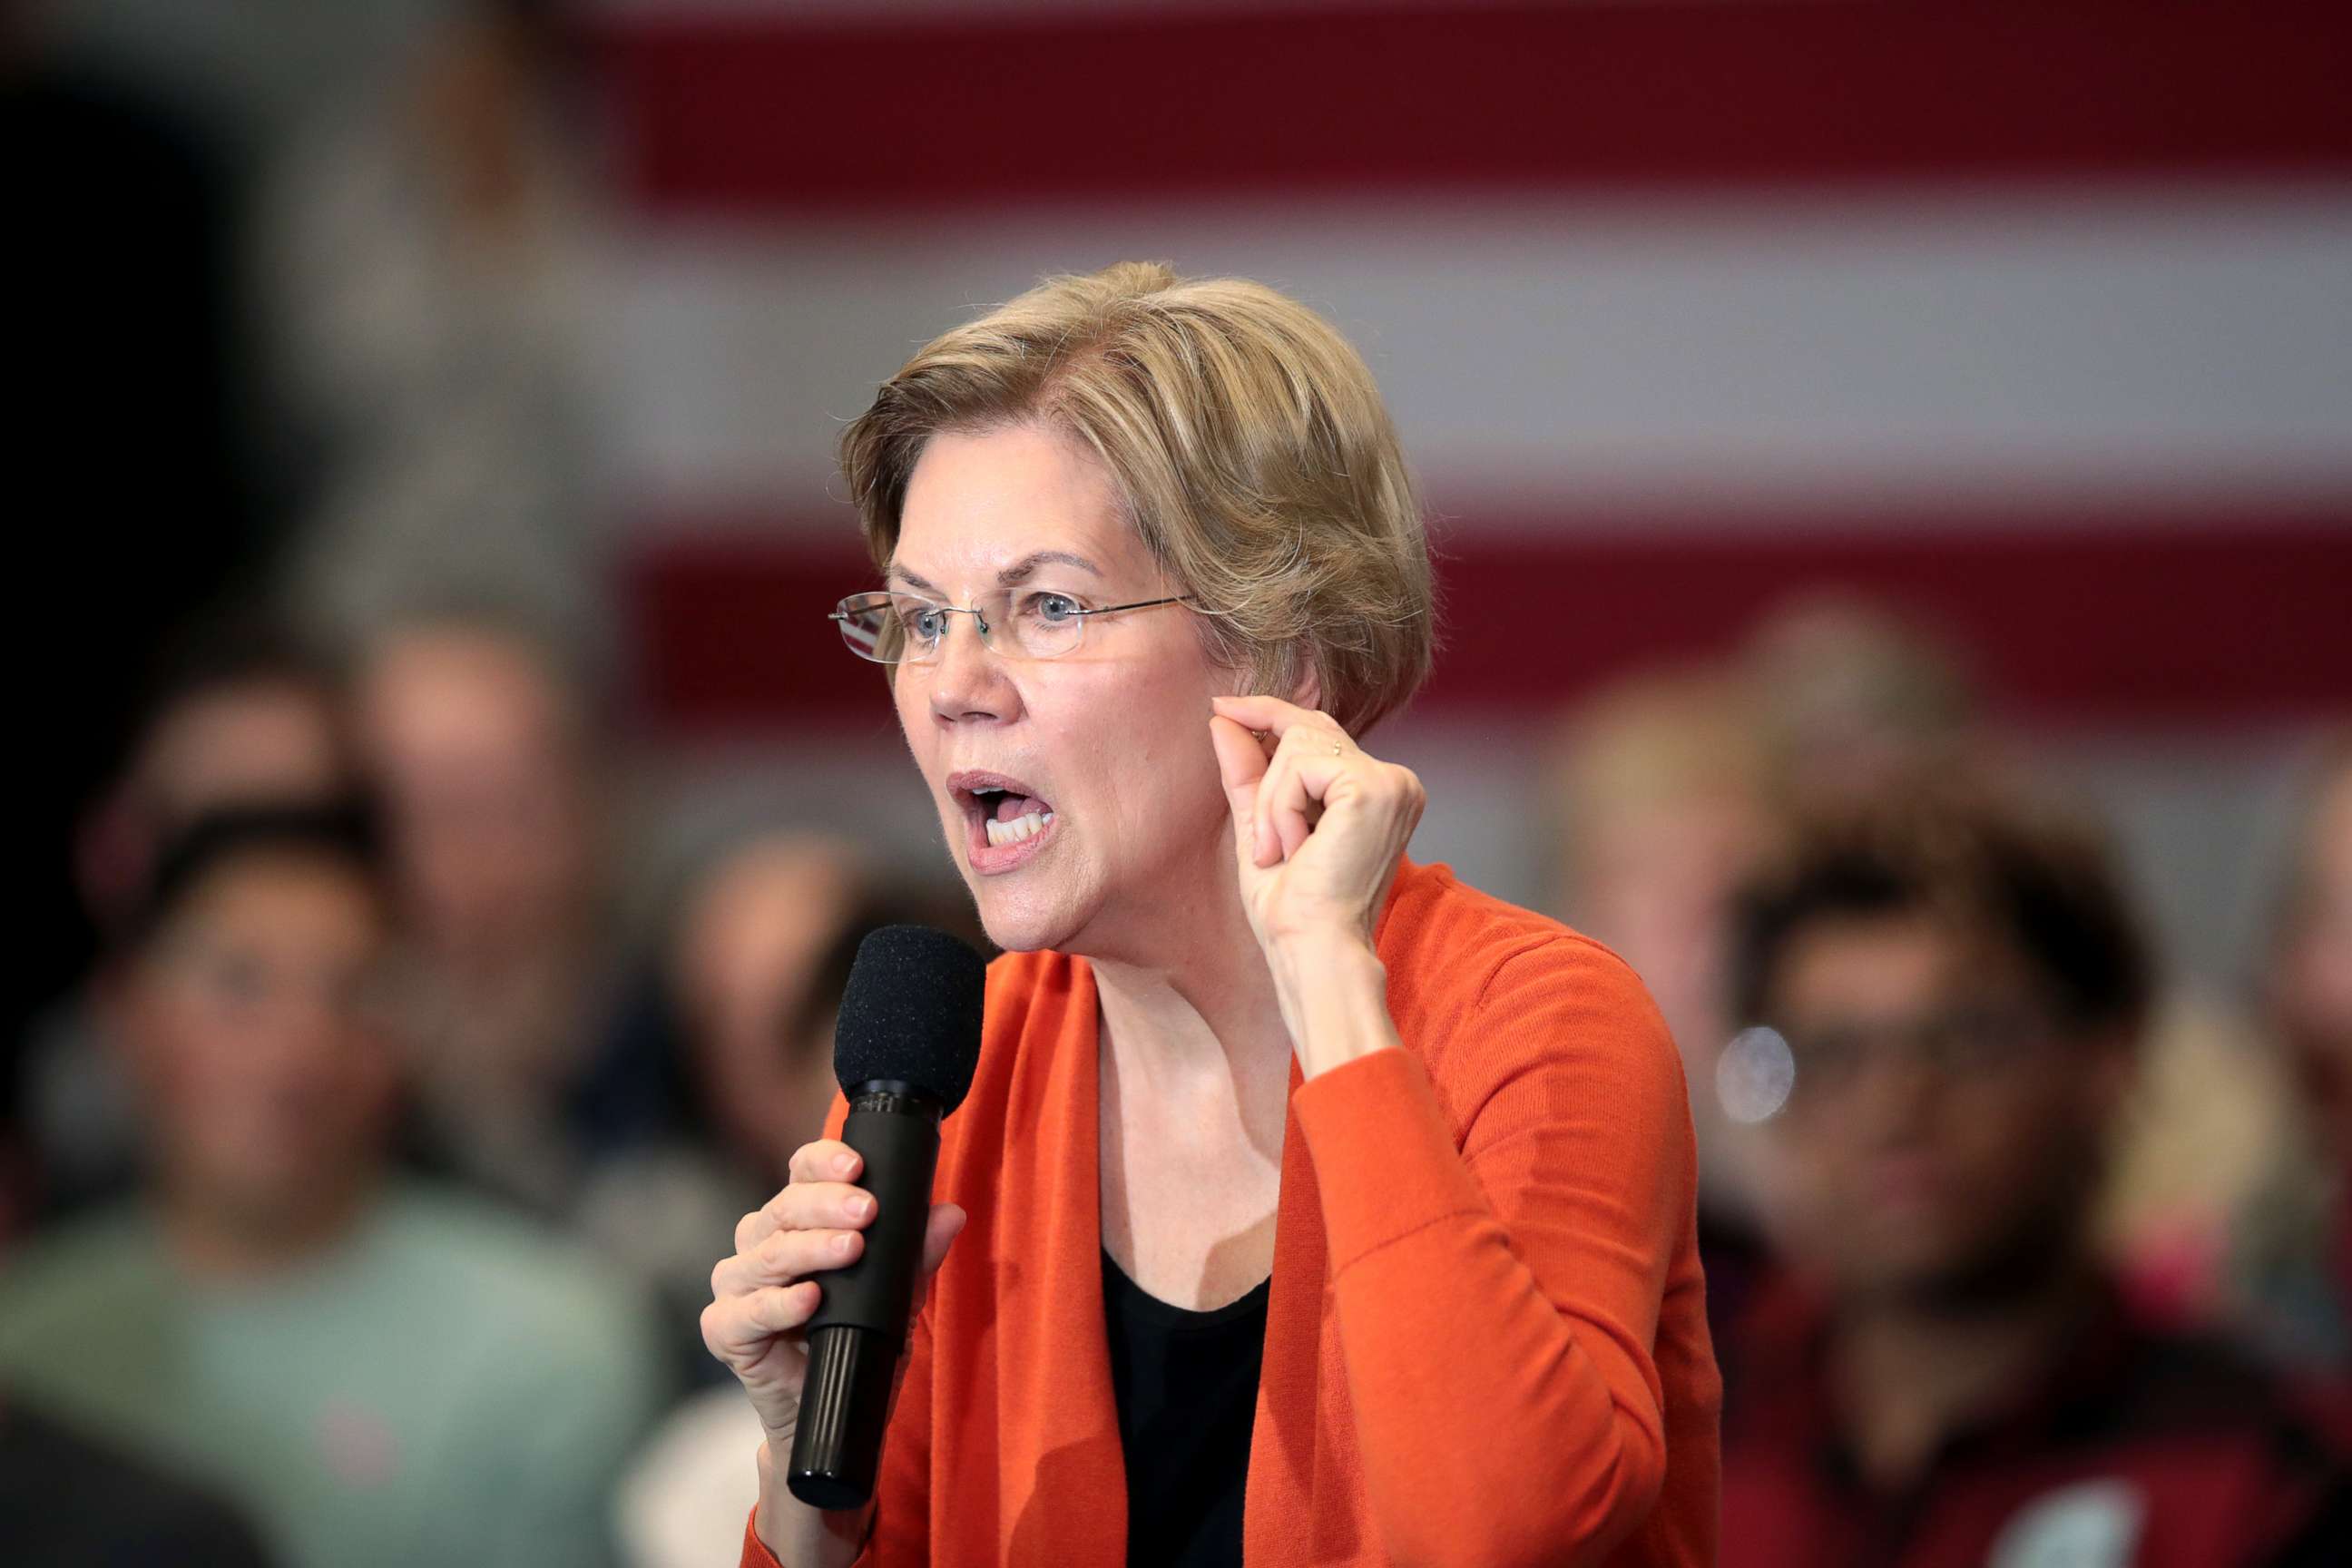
x: 981, y: 501
x: 1878, y: 964
x: 290, y: 894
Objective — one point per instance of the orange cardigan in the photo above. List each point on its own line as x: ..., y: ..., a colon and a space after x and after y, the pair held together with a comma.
x: 1485, y: 1343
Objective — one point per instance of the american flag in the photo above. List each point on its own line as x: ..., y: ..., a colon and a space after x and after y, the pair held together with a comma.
x: 2033, y: 319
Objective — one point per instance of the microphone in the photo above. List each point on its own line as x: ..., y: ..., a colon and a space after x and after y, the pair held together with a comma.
x: 904, y: 1049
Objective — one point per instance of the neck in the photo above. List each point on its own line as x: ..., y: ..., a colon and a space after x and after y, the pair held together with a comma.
x: 1193, y: 1009
x: 227, y: 1242
x: 1906, y: 1371
x: 1195, y: 1089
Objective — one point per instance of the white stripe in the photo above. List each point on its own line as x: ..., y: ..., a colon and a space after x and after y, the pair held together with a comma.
x: 2072, y: 348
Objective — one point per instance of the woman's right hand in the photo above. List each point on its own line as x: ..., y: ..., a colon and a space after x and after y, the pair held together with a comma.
x: 764, y: 1295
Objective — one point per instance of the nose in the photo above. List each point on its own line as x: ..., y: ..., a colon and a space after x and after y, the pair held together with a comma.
x: 1900, y: 1094
x: 968, y: 682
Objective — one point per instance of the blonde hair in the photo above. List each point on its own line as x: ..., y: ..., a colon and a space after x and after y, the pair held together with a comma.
x: 1248, y: 442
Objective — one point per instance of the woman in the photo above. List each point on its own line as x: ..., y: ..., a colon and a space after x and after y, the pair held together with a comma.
x: 1320, y: 1209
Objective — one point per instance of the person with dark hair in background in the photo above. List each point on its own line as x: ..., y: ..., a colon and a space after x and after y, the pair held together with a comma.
x: 760, y: 954
x: 237, y: 712
x: 739, y: 1012
x: 1948, y: 989
x: 383, y: 1375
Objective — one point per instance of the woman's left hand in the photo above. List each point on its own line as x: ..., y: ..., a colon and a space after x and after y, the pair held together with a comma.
x: 1318, y: 823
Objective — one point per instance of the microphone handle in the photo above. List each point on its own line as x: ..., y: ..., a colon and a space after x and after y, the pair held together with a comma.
x: 860, y: 1327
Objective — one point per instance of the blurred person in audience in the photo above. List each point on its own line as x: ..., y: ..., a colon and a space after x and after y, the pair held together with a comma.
x: 486, y: 751
x: 2294, y: 1264
x: 1950, y: 990
x: 1864, y: 706
x: 385, y: 1375
x: 429, y: 253
x: 742, y: 1007
x: 238, y: 712
x: 762, y: 954
x: 1663, y: 801
x: 1858, y: 702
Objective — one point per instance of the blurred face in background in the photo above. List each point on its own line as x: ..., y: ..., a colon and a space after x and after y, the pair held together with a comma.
x: 1110, y: 740
x: 253, y: 1023
x: 1664, y: 811
x: 271, y: 739
x: 478, y: 748
x: 1945, y: 1134
x: 2312, y: 975
x: 237, y: 745
x: 751, y: 941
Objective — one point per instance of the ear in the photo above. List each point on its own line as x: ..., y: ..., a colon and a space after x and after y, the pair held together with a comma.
x: 1306, y: 691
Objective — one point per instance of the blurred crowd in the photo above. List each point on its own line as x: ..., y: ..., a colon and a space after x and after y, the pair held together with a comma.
x: 365, y: 1145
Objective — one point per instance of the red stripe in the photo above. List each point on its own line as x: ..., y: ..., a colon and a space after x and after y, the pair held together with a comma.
x: 776, y: 114
x: 2240, y: 619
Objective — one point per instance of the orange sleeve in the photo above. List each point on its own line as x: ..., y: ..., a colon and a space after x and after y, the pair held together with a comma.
x: 1497, y: 1303
x: 902, y: 1509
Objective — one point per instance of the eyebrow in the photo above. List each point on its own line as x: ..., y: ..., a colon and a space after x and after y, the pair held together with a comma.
x: 1021, y: 571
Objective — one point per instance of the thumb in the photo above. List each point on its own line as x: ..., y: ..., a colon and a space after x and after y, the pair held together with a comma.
x: 946, y: 1223
x: 1241, y: 763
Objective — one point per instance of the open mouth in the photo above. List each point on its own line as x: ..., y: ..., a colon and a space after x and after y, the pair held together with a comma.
x: 1005, y: 815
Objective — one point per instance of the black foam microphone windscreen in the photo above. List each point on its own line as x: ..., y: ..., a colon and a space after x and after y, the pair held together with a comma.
x: 911, y: 1015
x: 905, y: 1049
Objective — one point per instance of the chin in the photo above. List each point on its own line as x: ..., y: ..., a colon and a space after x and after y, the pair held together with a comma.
x: 1019, y: 922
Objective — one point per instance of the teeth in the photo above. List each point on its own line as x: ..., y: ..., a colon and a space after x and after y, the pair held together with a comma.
x: 1019, y: 828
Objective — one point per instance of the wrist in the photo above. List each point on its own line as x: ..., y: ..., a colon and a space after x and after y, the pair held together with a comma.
x: 794, y: 1532
x: 1334, y: 993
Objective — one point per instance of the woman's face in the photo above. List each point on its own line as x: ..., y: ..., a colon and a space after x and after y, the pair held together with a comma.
x: 1105, y: 749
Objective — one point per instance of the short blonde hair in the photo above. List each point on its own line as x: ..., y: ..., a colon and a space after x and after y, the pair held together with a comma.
x: 1249, y: 445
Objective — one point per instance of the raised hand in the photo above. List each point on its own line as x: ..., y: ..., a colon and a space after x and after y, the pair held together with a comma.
x: 1319, y: 823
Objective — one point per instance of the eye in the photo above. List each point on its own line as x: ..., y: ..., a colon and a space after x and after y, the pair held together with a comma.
x: 1051, y: 609
x: 922, y: 622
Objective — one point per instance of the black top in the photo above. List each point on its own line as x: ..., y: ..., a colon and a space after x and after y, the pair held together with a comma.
x: 1186, y: 1384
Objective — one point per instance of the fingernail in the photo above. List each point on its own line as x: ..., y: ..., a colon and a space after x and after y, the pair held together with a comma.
x: 843, y: 1162
x: 841, y: 1243
x: 860, y: 1207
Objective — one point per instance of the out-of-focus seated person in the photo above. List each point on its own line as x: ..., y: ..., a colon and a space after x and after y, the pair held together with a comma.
x: 762, y: 953
x: 757, y: 955
x: 484, y: 744
x: 1665, y: 800
x: 238, y: 712
x: 1948, y: 991
x: 379, y: 1373
x: 1866, y: 704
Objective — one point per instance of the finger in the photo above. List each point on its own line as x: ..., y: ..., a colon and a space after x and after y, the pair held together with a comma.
x: 1260, y: 711
x: 738, y: 1328
x: 825, y: 1160
x: 806, y: 1205
x: 787, y: 1255
x: 1242, y: 764
x: 814, y: 1205
x: 945, y: 1224
x: 1299, y: 782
